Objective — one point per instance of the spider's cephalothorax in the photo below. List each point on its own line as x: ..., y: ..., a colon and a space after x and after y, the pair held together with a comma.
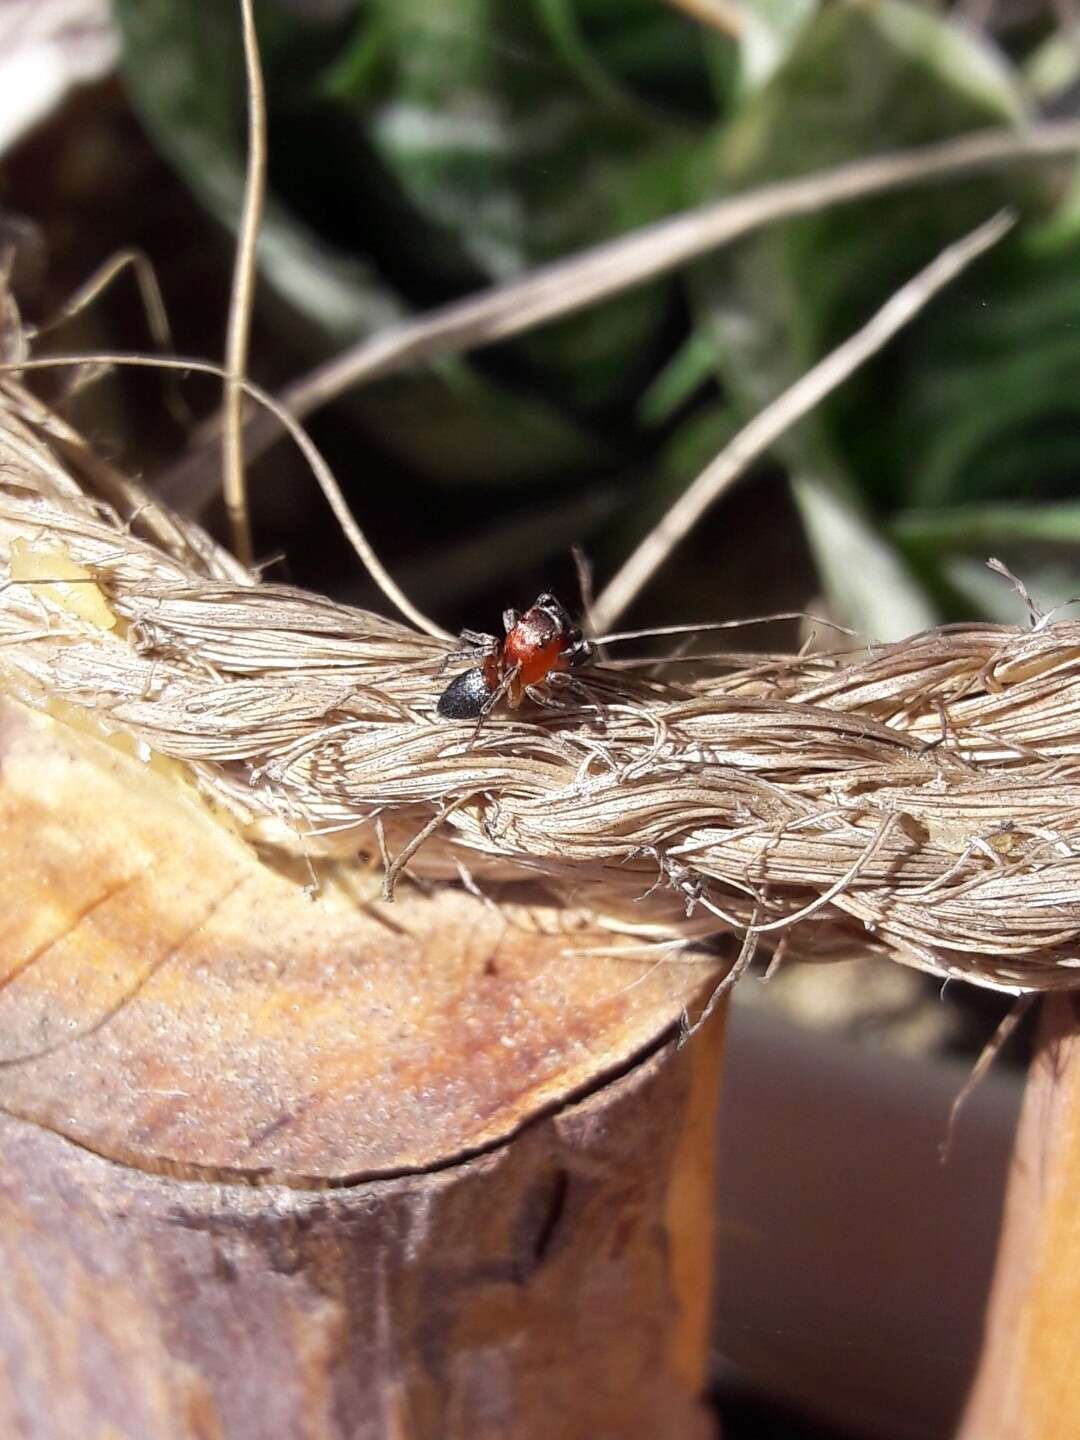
x: 541, y: 642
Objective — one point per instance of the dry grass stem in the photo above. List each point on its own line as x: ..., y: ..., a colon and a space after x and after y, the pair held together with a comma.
x: 321, y: 471
x: 243, y: 295
x: 555, y: 290
x: 921, y: 799
x: 785, y: 411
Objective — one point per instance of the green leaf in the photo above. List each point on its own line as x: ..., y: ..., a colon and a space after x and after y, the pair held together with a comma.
x: 867, y: 581
x: 990, y: 409
x: 506, y: 133
x: 948, y: 407
x: 770, y: 29
x: 184, y: 67
x: 977, y: 590
x: 1053, y: 67
x: 981, y: 527
x: 690, y: 370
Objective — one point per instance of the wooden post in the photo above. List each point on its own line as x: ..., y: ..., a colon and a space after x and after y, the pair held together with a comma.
x: 1027, y: 1387
x: 275, y: 1167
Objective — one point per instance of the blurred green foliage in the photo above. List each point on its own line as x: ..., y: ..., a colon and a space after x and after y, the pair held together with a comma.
x: 421, y: 151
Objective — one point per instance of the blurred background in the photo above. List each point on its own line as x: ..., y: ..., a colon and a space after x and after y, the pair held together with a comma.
x: 422, y: 150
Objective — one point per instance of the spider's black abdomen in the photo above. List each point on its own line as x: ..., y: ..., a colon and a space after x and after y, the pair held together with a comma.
x: 465, y: 697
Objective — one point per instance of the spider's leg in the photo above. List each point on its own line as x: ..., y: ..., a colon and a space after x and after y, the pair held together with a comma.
x: 479, y: 641
x: 586, y: 698
x: 454, y: 657
x: 541, y: 695
x: 493, y: 699
x: 473, y: 645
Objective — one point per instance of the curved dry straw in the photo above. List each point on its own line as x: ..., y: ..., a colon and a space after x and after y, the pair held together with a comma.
x: 922, y: 798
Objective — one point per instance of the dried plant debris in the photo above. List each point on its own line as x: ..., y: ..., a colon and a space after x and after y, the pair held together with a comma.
x: 920, y: 798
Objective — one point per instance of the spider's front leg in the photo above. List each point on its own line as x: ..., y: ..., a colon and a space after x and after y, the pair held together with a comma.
x: 478, y: 642
x: 473, y: 645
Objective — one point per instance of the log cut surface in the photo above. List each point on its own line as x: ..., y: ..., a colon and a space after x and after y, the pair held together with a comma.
x: 484, y: 1165
x: 168, y: 1000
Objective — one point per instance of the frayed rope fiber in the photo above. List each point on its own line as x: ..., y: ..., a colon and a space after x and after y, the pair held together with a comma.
x: 921, y: 799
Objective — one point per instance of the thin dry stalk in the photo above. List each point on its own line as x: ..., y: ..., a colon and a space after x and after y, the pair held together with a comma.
x: 785, y: 411
x: 748, y: 444
x: 243, y: 295
x: 321, y: 471
x: 556, y: 290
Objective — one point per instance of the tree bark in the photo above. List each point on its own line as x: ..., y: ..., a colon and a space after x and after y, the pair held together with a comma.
x: 275, y: 1167
x: 1026, y: 1387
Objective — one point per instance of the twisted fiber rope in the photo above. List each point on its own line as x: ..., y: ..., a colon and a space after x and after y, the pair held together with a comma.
x: 921, y: 798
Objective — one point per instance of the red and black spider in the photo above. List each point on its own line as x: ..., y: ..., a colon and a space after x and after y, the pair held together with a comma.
x: 542, y: 642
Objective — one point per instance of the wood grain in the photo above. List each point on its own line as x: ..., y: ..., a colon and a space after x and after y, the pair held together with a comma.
x: 1026, y: 1387
x: 277, y: 1167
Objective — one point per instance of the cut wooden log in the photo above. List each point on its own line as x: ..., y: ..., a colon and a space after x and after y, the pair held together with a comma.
x: 1026, y: 1387
x: 277, y: 1167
